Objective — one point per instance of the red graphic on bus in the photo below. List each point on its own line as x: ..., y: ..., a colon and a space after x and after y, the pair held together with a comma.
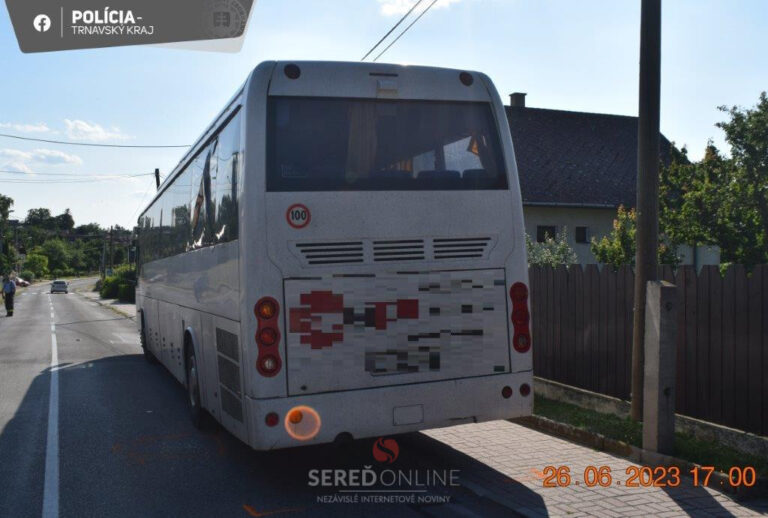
x: 308, y: 319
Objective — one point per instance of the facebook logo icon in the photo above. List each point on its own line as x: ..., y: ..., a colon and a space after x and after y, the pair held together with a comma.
x: 42, y: 23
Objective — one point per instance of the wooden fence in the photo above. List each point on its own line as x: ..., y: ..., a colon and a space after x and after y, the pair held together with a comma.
x: 582, y: 336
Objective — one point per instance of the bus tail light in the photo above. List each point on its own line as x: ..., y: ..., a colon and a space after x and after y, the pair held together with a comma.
x: 521, y: 318
x: 506, y: 392
x: 267, y: 311
x: 268, y: 336
x: 268, y: 364
x: 525, y: 389
x: 271, y: 419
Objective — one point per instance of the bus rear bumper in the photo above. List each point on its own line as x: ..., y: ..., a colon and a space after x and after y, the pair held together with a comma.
x: 391, y: 410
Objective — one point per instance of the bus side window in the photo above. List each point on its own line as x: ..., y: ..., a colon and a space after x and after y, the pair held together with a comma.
x: 226, y: 182
x: 199, y: 203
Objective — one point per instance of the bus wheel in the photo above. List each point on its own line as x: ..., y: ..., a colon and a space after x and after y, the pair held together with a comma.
x: 148, y: 356
x: 196, y: 412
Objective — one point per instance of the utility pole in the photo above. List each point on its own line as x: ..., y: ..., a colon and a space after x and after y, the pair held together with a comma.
x: 104, y: 259
x: 646, y: 263
x: 111, y: 251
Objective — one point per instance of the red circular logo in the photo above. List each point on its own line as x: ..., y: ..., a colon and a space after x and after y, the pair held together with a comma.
x: 298, y: 215
x: 385, y: 450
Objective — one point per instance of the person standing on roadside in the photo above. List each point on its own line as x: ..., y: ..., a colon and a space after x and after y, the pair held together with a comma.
x: 9, y: 290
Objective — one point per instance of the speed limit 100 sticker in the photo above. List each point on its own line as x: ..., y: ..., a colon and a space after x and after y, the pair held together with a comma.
x: 298, y: 215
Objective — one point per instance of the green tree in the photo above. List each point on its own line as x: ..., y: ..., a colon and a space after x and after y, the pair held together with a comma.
x: 6, y: 254
x: 40, y: 218
x: 618, y: 248
x: 553, y: 251
x: 64, y: 221
x: 37, y: 264
x: 747, y: 134
x: 719, y: 200
x: 57, y: 253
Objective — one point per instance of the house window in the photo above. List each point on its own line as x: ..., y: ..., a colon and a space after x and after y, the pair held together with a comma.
x: 582, y: 234
x: 544, y: 231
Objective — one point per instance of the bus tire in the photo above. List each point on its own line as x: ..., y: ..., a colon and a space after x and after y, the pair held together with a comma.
x: 196, y: 412
x: 148, y: 356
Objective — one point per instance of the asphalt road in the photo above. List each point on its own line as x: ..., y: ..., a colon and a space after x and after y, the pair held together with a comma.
x: 94, y: 430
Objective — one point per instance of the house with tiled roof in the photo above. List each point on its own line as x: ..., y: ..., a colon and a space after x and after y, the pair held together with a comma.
x: 575, y: 170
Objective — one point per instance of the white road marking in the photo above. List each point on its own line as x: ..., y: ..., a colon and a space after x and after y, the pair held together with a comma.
x: 51, y: 484
x: 125, y: 338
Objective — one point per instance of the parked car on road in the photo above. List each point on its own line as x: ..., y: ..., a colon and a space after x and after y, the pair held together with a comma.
x: 22, y: 283
x: 59, y: 286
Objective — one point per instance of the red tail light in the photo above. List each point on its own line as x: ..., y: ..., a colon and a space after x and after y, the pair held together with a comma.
x: 267, y: 311
x: 521, y: 318
x: 268, y: 336
x: 272, y: 419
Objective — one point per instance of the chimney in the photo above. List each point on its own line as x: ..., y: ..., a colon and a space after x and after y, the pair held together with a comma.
x: 517, y: 100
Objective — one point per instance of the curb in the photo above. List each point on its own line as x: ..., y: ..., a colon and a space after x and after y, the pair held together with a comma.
x: 107, y: 303
x: 718, y: 480
x: 739, y: 440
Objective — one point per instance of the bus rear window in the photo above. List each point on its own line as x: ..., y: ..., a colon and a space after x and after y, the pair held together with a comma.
x: 329, y: 144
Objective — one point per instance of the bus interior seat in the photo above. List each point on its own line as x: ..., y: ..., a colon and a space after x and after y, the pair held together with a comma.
x: 475, y: 174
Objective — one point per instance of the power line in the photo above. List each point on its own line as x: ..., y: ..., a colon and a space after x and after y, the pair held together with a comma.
x: 77, y: 174
x: 406, y: 29
x: 392, y: 29
x: 64, y: 180
x: 90, y: 144
x: 51, y: 182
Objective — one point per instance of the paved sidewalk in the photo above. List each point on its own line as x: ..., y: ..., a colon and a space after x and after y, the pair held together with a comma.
x: 124, y: 308
x: 516, y: 455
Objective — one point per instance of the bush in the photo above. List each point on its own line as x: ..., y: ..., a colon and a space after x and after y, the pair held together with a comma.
x: 27, y: 275
x: 553, y: 252
x: 126, y: 292
x: 109, y: 288
x: 120, y: 285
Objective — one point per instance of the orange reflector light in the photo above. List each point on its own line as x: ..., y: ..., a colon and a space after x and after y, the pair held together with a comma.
x: 266, y: 309
x: 302, y: 423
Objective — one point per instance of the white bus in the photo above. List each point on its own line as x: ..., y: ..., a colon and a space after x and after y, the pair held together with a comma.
x: 342, y: 255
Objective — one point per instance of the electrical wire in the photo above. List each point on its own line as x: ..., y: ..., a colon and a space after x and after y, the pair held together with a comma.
x: 4, y: 171
x: 405, y: 30
x: 91, y: 144
x: 392, y: 29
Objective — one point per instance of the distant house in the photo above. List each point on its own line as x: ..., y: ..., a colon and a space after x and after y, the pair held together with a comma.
x: 575, y: 170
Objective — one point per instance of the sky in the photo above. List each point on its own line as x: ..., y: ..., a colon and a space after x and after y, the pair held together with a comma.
x: 568, y: 55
